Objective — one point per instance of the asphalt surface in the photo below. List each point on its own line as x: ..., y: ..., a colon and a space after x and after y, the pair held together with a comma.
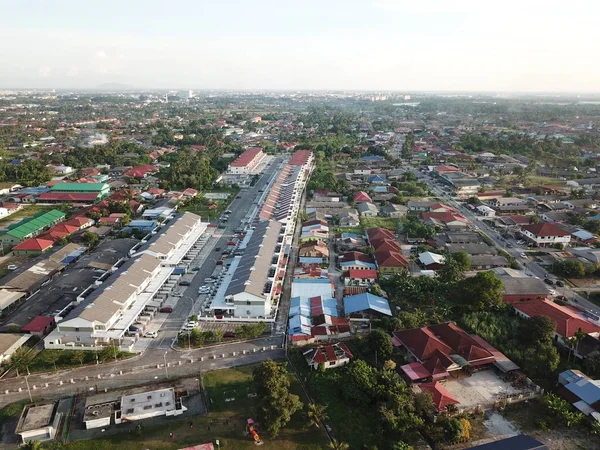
x: 150, y: 365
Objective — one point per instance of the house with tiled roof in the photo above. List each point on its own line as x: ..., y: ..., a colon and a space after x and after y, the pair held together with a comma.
x: 141, y: 171
x: 568, y: 320
x: 438, y: 351
x: 313, y: 252
x: 355, y: 277
x: 32, y: 247
x: 441, y: 397
x: 545, y: 234
x: 329, y: 356
x: 361, y: 196
x: 448, y: 219
x: 356, y: 260
x: 390, y: 262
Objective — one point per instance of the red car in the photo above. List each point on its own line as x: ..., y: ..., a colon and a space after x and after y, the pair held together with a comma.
x: 219, y: 263
x: 166, y: 309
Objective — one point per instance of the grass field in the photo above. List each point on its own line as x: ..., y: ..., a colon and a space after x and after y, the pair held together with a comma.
x: 390, y: 223
x: 225, y: 422
x: 27, y: 211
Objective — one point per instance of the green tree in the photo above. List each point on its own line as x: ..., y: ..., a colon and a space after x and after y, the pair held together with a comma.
x: 276, y: 405
x: 401, y: 445
x: 483, y: 291
x: 32, y: 445
x: 379, y: 343
x: 360, y: 382
x: 409, y: 142
x: 317, y: 414
x: 540, y: 360
x: 452, y: 429
x: 454, y: 268
x: 537, y: 330
x: 90, y: 238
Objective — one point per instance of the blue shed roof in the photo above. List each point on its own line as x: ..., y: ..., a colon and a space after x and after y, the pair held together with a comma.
x: 366, y: 301
x: 587, y: 390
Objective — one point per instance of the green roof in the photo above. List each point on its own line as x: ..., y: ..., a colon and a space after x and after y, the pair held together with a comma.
x: 36, y: 224
x: 81, y: 187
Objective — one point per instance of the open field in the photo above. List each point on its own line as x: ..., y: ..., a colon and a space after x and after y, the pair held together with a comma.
x: 390, y: 223
x: 226, y: 422
x: 27, y: 211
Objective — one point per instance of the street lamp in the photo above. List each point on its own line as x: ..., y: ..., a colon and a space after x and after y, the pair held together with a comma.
x: 28, y: 390
x: 166, y: 370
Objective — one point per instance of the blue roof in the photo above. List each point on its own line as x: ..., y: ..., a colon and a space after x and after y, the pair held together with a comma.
x: 380, y: 189
x: 519, y: 442
x: 366, y: 301
x: 377, y: 177
x: 301, y: 306
x: 587, y: 390
x: 372, y: 158
x: 312, y: 280
x: 351, y: 236
x: 299, y: 325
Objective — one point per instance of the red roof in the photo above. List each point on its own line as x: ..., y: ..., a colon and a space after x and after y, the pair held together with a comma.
x: 445, y: 169
x: 361, y: 196
x: 385, y: 244
x: 245, y: 158
x: 300, y: 157
x: 444, y: 217
x: 567, y: 320
x: 34, y: 244
x: 68, y: 196
x: 386, y: 258
x: 415, y: 371
x: 437, y: 342
x: 545, y: 229
x: 38, y: 324
x: 141, y: 171
x: 355, y: 256
x: 520, y: 220
x: 362, y: 274
x: 441, y: 397
x: 379, y: 233
x: 327, y: 353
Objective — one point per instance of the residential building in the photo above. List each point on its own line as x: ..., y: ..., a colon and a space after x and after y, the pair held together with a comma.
x: 486, y: 262
x: 349, y: 218
x: 367, y: 209
x: 581, y: 391
x: 521, y: 289
x: 361, y: 197
x: 366, y: 305
x: 161, y: 402
x: 545, y: 235
x: 485, y: 211
x: 518, y: 442
x: 356, y: 261
x: 439, y: 350
x: 390, y: 262
x: 247, y: 162
x: 9, y: 343
x: 355, y: 277
x: 328, y: 356
x: 32, y: 247
x: 440, y: 396
x: 568, y: 321
x: 313, y: 253
x: 38, y: 422
x: 431, y: 261
x: 395, y: 211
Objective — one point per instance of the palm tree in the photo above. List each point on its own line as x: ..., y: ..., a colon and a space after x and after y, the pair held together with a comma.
x: 336, y: 445
x: 316, y: 414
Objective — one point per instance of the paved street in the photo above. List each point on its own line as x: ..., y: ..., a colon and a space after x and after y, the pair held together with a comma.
x: 146, y: 368
x: 530, y: 266
x: 150, y: 365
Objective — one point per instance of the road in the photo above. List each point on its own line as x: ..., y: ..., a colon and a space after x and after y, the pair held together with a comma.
x: 531, y: 267
x: 149, y: 366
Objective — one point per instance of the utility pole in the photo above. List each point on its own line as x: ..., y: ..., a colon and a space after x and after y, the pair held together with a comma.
x: 28, y: 389
x: 166, y: 370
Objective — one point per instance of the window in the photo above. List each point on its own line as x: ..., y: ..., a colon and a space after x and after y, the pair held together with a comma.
x: 331, y: 363
x: 76, y: 328
x: 78, y: 339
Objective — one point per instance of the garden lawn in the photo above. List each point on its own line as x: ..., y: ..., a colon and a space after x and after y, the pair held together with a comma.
x: 225, y: 422
x: 390, y: 223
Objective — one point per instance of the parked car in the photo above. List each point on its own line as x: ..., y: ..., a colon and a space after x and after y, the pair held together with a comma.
x: 217, y: 249
x: 151, y: 334
x: 523, y: 255
x: 549, y: 281
x: 177, y: 294
x: 209, y: 280
x: 195, y: 269
x: 219, y: 263
x: 166, y: 309
x: 509, y: 245
x: 12, y: 267
x: 184, y: 283
x: 559, y: 283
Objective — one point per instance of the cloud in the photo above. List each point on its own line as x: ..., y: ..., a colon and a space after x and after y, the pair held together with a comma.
x: 45, y: 71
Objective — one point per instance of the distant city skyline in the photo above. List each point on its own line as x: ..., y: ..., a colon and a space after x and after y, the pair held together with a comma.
x: 370, y: 45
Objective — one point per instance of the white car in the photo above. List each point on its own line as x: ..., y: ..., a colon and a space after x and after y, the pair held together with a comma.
x: 12, y: 267
x: 151, y: 334
x: 193, y: 323
x: 204, y: 290
x: 523, y: 255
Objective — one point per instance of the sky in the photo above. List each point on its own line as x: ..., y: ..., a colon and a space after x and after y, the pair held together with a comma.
x: 375, y: 45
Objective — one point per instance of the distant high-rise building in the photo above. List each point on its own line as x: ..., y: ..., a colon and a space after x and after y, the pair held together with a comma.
x: 185, y: 94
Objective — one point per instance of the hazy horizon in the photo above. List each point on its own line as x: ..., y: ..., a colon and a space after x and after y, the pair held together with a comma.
x: 536, y: 47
